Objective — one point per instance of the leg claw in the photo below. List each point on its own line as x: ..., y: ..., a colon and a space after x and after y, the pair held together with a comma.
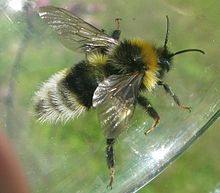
x: 111, y: 178
x: 156, y: 122
x: 147, y: 131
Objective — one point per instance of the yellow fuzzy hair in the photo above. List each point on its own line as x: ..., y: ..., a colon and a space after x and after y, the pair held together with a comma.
x: 150, y: 60
x: 96, y: 59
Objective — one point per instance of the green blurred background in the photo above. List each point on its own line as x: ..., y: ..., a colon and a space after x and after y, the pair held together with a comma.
x: 30, y: 53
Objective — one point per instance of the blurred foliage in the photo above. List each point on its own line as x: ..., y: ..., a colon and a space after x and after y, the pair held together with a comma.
x: 51, y: 154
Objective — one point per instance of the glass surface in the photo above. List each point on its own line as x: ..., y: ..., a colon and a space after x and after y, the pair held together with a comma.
x: 71, y: 157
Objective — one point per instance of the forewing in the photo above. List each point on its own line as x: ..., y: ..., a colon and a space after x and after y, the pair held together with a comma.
x: 115, y: 99
x: 75, y: 33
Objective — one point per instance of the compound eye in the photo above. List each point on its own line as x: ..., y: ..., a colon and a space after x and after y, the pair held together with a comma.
x: 167, y: 64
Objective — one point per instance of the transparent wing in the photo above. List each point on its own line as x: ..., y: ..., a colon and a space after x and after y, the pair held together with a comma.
x: 74, y: 32
x: 115, y: 99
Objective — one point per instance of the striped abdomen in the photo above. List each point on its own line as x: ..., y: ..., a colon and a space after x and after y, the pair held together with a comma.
x: 66, y: 94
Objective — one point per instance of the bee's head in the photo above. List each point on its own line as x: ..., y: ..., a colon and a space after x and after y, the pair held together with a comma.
x: 165, y: 57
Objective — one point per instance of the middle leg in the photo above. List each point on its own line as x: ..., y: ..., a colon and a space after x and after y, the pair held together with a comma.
x: 117, y: 32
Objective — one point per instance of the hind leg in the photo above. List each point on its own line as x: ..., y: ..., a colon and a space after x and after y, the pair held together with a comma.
x: 110, y: 160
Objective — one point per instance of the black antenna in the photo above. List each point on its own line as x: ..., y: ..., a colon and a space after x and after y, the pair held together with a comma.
x: 181, y: 51
x: 186, y: 50
x: 167, y: 32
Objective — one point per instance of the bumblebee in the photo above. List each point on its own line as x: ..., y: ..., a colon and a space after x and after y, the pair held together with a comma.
x: 111, y: 78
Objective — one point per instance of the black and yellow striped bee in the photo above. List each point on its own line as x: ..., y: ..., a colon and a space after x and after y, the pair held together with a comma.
x: 110, y: 78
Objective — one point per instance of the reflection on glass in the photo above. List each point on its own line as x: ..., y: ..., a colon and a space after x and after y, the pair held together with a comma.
x: 15, y: 5
x: 159, y: 154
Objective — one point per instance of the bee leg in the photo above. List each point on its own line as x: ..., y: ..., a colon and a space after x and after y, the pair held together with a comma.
x: 117, y: 21
x: 116, y: 33
x: 151, y: 111
x: 110, y: 160
x: 172, y: 94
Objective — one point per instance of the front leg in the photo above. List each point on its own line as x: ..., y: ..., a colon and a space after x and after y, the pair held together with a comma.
x: 172, y: 94
x: 151, y: 111
x: 110, y: 160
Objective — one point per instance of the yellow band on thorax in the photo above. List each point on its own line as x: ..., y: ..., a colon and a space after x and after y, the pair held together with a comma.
x: 150, y: 60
